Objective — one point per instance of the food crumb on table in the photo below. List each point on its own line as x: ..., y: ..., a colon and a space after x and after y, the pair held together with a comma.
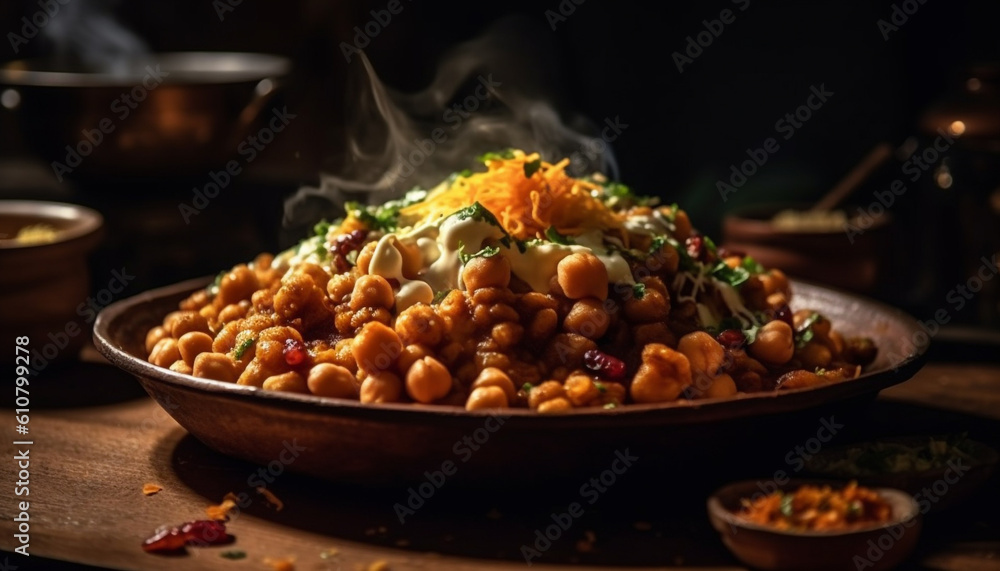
x: 329, y: 553
x: 380, y: 565
x: 221, y: 511
x: 150, y: 489
x: 271, y: 498
x: 282, y: 564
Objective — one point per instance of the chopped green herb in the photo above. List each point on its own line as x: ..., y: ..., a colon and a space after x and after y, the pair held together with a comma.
x: 213, y: 288
x: 639, y: 290
x: 477, y: 211
x: 657, y: 244
x: 532, y: 167
x: 618, y: 190
x: 753, y: 266
x: 820, y: 371
x: 487, y: 252
x: 601, y: 387
x: 386, y: 216
x: 242, y: 347
x: 233, y: 554
x: 439, y: 296
x: 526, y: 387
x: 732, y: 276
x: 321, y: 229
x: 855, y: 508
x: 465, y: 173
x: 786, y: 505
x: 804, y: 332
x: 710, y: 246
x: 751, y: 334
x: 522, y: 246
x: 554, y: 236
x: 503, y: 155
x: 672, y: 216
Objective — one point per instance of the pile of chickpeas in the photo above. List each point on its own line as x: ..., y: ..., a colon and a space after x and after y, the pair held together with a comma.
x: 495, y: 344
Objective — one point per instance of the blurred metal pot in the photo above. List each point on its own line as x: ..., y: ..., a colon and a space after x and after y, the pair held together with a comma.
x: 167, y: 114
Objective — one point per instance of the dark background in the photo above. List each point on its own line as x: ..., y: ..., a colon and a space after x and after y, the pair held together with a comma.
x: 605, y: 60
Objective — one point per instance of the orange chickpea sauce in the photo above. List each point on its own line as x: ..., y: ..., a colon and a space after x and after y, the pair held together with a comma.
x: 513, y: 286
x: 818, y: 508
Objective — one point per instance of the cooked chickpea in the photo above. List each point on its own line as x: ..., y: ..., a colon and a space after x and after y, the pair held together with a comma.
x: 652, y: 307
x: 165, y: 352
x: 556, y: 405
x: 364, y: 259
x: 372, y: 291
x: 662, y: 376
x: 722, y: 386
x: 154, y: 336
x: 420, y: 324
x: 236, y: 285
x: 582, y: 275
x: 815, y: 355
x: 775, y: 343
x: 410, y: 355
x: 682, y: 226
x: 486, y: 398
x: 587, y: 317
x: 181, y: 367
x: 381, y: 386
x: 567, y: 349
x: 545, y: 392
x: 427, y: 380
x: 507, y: 334
x: 581, y: 389
x: 376, y: 347
x: 543, y: 324
x: 703, y: 352
x: 494, y: 377
x: 232, y: 312
x: 493, y: 271
x: 187, y: 321
x: 340, y: 286
x: 329, y: 380
x: 215, y: 366
x: 193, y: 343
x: 290, y: 382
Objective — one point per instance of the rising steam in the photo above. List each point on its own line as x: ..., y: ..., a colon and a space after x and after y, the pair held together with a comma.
x: 491, y: 93
x: 86, y: 32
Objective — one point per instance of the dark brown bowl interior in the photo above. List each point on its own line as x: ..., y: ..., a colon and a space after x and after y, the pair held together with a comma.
x: 763, y: 547
x: 347, y: 440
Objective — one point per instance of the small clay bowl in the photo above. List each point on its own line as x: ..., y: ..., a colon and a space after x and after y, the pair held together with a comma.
x: 875, y: 547
x: 43, y: 284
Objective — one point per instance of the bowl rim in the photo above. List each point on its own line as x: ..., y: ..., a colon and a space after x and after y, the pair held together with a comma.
x: 84, y: 221
x: 682, y: 411
x: 716, y: 509
x: 224, y: 68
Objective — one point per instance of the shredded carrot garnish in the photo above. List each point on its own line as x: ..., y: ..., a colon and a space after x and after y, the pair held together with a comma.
x: 526, y: 206
x: 150, y: 489
x: 271, y: 498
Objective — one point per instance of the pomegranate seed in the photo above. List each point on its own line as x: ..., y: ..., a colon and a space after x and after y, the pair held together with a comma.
x: 294, y: 352
x: 784, y: 313
x: 347, y: 243
x: 731, y: 339
x: 605, y: 365
x: 206, y: 532
x: 167, y: 539
x: 694, y: 246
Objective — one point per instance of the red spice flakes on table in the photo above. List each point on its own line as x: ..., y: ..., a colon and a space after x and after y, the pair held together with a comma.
x: 176, y: 539
x: 150, y: 489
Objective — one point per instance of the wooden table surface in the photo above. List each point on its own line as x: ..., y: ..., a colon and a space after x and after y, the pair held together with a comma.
x: 97, y: 439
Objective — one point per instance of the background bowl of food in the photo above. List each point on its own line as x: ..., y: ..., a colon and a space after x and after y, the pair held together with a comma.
x: 43, y: 271
x: 815, y: 524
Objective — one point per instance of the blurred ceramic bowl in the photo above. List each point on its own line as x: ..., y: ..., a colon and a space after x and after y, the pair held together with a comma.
x: 819, y: 249
x: 166, y: 114
x: 875, y: 547
x: 43, y: 282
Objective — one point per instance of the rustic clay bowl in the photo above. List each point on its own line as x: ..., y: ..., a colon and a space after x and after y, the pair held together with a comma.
x: 875, y: 547
x: 42, y: 285
x: 391, y: 443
